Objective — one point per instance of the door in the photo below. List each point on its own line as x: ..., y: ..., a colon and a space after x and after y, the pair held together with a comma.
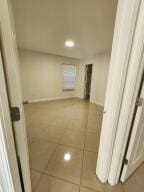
x: 12, y: 76
x: 88, y: 76
x: 135, y: 151
x: 9, y: 172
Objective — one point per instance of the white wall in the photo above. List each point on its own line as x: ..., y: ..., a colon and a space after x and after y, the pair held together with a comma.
x: 99, y: 77
x: 42, y: 75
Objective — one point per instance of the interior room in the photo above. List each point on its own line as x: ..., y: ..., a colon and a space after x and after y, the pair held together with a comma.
x: 64, y: 50
x: 71, y: 96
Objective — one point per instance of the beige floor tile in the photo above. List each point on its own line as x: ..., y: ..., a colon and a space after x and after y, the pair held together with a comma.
x: 58, y: 121
x: 35, y: 134
x: 73, y: 138
x: 49, y: 133
x: 54, y: 134
x: 51, y: 184
x: 136, y: 182
x: 66, y: 164
x: 40, y: 153
x: 84, y: 189
x: 92, y: 142
x: 94, y: 127
x: 94, y: 124
x: 35, y: 178
x: 89, y: 178
x: 77, y: 125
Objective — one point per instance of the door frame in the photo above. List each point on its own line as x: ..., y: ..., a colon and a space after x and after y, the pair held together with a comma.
x: 85, y: 76
x: 126, y: 18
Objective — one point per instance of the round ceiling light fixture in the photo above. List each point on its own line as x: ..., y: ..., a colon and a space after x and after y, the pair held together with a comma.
x: 69, y: 43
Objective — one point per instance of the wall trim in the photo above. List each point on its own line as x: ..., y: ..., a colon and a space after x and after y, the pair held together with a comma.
x: 97, y: 103
x: 61, y: 98
x: 48, y: 99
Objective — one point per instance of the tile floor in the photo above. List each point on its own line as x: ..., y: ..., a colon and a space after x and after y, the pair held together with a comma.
x: 63, y: 141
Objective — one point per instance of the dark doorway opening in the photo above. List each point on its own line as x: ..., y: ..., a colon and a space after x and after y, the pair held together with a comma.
x: 88, y: 77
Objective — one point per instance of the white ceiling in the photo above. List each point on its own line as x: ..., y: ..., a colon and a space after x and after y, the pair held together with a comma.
x: 44, y: 25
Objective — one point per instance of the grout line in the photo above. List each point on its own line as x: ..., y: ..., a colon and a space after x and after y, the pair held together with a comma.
x: 70, y: 182
x: 67, y: 145
x: 50, y: 159
x: 45, y: 167
x: 90, y: 188
x: 37, y: 182
x: 47, y: 164
x: 83, y: 149
x: 53, y: 153
x: 95, y: 152
x: 36, y: 170
x: 44, y: 173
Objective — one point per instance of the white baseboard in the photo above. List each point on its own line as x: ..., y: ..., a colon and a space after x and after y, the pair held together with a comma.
x: 97, y: 103
x: 60, y: 98
x: 79, y: 97
x: 49, y: 99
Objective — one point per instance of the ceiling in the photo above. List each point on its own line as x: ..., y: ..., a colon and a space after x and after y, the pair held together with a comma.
x: 44, y: 25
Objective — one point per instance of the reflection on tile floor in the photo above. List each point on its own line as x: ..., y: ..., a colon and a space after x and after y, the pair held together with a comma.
x: 66, y: 163
x: 63, y: 140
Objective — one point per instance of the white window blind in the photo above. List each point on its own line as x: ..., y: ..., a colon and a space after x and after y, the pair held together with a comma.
x: 69, y: 76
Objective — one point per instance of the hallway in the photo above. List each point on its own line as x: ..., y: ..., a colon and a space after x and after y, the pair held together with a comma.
x: 63, y: 138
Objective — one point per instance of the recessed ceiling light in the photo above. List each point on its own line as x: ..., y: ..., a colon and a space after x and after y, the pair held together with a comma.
x: 69, y: 43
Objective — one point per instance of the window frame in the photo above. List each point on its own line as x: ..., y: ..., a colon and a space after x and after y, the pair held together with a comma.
x: 66, y: 89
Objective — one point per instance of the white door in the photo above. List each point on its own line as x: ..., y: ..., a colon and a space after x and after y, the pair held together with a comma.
x: 9, y: 173
x: 11, y: 65
x: 135, y: 152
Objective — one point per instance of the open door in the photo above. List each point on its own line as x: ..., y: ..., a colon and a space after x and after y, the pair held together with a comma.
x: 17, y: 125
x: 135, y: 151
x: 9, y: 172
x: 12, y: 78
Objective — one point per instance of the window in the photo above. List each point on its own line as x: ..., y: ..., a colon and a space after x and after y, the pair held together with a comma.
x: 69, y: 76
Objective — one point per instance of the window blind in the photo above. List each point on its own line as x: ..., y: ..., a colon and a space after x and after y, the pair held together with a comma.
x: 69, y: 76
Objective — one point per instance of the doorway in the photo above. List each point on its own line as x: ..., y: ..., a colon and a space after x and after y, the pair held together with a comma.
x: 88, y: 78
x: 68, y: 157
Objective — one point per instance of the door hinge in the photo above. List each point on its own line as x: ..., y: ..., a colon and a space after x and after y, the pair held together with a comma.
x: 15, y: 114
x: 139, y: 102
x: 125, y: 161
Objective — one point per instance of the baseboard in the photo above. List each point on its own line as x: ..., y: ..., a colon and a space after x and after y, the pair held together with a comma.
x: 60, y: 98
x: 97, y: 103
x: 49, y: 99
x: 79, y: 97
